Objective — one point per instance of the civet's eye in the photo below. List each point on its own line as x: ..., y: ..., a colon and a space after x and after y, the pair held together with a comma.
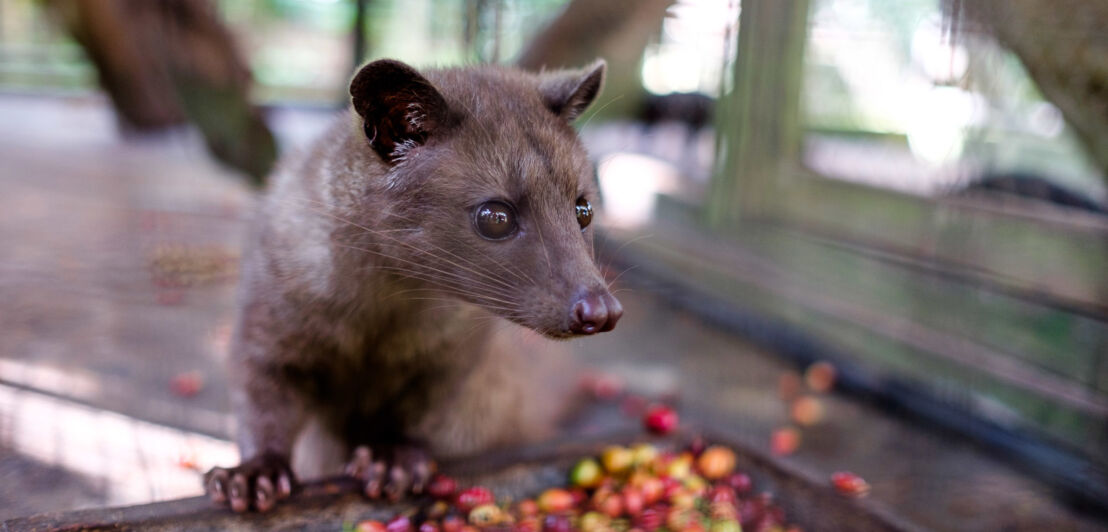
x: 494, y: 220
x: 584, y: 212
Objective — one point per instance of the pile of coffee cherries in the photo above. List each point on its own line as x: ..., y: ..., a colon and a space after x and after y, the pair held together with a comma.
x: 625, y: 489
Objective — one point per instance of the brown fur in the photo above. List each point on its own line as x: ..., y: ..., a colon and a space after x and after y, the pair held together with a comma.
x: 372, y: 312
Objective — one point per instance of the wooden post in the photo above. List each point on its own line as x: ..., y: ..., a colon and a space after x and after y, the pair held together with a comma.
x: 758, y: 121
x: 360, y: 8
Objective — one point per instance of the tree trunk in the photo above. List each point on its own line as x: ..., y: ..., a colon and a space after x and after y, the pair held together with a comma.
x: 167, y: 62
x: 1064, y: 46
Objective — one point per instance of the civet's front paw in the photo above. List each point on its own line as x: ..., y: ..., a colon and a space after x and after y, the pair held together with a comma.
x: 391, y: 472
x: 256, y: 484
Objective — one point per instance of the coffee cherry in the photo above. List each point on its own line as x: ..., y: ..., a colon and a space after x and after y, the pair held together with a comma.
x: 652, y: 489
x: 680, y: 467
x: 528, y: 508
x: 725, y: 525
x: 643, y: 454
x: 370, y: 525
x: 750, y: 511
x: 187, y: 384
x: 650, y: 519
x: 776, y: 514
x: 438, y: 510
x: 452, y: 523
x: 820, y: 376
x: 693, y: 526
x: 682, y: 499
x: 442, y: 487
x: 806, y: 411
x: 784, y: 441
x: 722, y: 493
x: 695, y: 484
x: 528, y: 524
x: 679, y: 518
x: 740, y: 482
x: 633, y: 501
x: 636, y: 489
x: 593, y: 522
x: 723, y: 510
x: 578, y: 496
x: 400, y: 523
x: 473, y: 497
x: 716, y: 462
x: 660, y: 419
x: 555, y: 500
x: 671, y: 487
x: 586, y: 474
x: 848, y: 483
x: 556, y: 523
x: 610, y: 505
x: 484, y: 515
x: 616, y: 459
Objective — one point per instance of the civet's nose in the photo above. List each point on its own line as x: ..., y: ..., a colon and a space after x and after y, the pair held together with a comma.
x: 595, y: 312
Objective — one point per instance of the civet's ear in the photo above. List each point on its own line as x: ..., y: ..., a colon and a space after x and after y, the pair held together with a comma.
x: 568, y: 93
x: 400, y: 109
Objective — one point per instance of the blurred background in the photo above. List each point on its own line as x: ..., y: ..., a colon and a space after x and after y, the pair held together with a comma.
x: 912, y: 193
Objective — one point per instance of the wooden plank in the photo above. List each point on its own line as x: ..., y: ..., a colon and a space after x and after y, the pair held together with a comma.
x: 886, y: 339
x: 327, y: 505
x: 1057, y: 340
x: 1066, y: 262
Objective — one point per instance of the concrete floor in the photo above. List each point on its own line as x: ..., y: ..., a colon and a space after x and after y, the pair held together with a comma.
x: 117, y: 277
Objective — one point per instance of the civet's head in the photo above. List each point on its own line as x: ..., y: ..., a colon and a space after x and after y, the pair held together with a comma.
x: 490, y: 192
